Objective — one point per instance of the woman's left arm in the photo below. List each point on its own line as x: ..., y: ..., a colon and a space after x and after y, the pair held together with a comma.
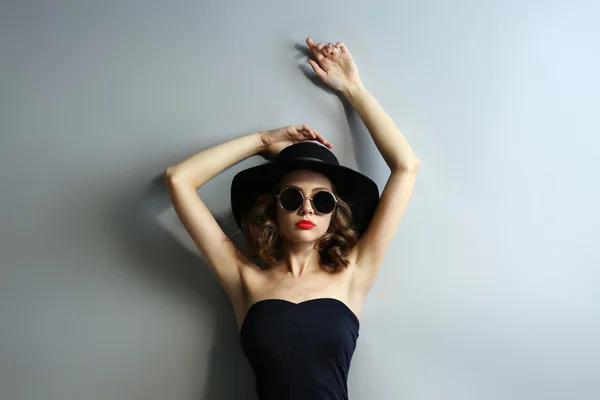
x: 337, y: 68
x: 371, y: 248
x: 390, y: 142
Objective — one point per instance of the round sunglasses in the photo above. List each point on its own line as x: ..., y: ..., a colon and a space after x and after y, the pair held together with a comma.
x: 291, y: 199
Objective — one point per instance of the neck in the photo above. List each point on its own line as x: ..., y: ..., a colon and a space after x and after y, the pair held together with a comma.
x: 300, y: 258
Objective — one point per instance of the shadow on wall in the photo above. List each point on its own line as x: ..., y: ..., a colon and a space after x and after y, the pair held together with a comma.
x: 162, y: 261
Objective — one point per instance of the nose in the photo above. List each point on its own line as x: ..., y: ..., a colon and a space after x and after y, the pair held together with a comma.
x: 307, y: 206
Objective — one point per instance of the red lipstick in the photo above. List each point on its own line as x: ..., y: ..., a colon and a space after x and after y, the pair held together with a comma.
x: 305, y: 224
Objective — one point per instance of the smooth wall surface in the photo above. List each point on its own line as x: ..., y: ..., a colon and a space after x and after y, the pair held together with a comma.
x: 490, y: 287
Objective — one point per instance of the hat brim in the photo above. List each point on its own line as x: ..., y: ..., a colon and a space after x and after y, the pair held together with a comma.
x: 357, y: 190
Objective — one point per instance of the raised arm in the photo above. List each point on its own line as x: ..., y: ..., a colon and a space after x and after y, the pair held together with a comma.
x: 183, y: 180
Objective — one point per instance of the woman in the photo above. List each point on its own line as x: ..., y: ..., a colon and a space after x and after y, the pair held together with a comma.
x: 317, y: 230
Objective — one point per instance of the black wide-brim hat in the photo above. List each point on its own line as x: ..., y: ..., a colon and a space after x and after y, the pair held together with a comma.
x: 359, y: 191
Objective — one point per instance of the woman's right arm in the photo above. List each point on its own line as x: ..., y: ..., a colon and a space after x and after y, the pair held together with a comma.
x: 198, y: 169
x: 184, y: 178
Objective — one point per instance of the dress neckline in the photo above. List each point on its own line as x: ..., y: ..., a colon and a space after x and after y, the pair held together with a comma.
x: 300, y: 303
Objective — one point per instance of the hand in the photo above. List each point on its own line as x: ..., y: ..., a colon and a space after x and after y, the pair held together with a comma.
x: 278, y: 139
x: 336, y: 66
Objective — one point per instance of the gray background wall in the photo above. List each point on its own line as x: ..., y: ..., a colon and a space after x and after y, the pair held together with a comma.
x: 490, y: 288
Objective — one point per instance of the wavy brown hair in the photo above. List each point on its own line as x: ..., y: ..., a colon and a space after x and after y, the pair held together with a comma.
x: 264, y: 242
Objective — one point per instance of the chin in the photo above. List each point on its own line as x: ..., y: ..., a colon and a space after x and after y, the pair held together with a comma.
x: 303, y: 233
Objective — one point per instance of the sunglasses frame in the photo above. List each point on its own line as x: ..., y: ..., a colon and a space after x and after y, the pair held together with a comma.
x: 304, y: 199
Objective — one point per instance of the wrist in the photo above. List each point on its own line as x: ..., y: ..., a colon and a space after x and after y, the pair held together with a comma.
x: 354, y: 90
x: 261, y: 145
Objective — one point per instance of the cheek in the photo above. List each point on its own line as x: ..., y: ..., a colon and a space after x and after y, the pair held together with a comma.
x: 324, y: 224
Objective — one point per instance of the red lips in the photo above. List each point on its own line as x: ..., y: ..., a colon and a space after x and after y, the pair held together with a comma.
x: 305, y: 223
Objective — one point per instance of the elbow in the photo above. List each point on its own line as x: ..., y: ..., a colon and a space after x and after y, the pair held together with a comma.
x: 169, y: 174
x: 171, y: 177
x: 412, y: 166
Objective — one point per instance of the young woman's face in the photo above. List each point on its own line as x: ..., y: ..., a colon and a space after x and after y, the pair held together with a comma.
x: 309, y: 182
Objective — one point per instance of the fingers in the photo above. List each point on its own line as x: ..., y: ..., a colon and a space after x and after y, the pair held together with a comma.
x: 321, y: 50
x: 318, y: 70
x: 321, y: 139
x: 306, y: 129
x: 316, y: 51
x: 312, y: 44
x: 339, y: 46
x: 330, y: 47
x: 314, y: 134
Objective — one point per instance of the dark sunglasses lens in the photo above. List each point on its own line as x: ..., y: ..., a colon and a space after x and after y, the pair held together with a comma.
x: 290, y: 199
x: 324, y: 202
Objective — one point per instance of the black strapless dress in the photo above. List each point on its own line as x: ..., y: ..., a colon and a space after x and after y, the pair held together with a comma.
x: 300, y: 351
